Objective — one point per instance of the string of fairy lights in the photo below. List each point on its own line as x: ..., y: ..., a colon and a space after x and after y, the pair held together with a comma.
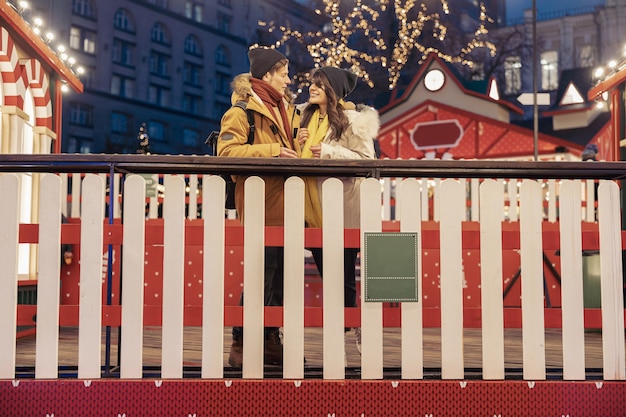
x: 332, y: 46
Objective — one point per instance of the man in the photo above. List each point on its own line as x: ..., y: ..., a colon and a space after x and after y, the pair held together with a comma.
x: 264, y: 90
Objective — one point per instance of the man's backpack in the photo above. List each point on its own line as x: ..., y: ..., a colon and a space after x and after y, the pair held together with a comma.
x: 211, y: 140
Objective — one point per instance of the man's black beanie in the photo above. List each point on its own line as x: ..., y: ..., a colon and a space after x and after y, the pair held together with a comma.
x: 342, y: 81
x: 262, y: 60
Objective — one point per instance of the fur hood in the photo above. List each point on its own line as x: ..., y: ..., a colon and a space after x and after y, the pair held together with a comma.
x: 364, y: 121
x: 242, y: 89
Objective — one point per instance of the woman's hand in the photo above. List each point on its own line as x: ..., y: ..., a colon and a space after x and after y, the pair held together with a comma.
x: 316, y: 150
x: 303, y: 135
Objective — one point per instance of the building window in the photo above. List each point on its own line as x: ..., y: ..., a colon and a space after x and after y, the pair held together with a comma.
x: 222, y: 83
x: 84, y: 8
x: 77, y: 144
x: 122, y: 86
x: 192, y: 74
x: 192, y: 104
x: 224, y: 3
x: 193, y: 10
x: 123, y: 52
x: 223, y: 22
x: 159, y: 34
x: 222, y: 57
x: 124, y: 21
x: 193, y: 45
x: 549, y: 70
x: 159, y: 64
x: 120, y: 122
x: 156, y: 130
x: 160, y: 3
x: 512, y: 75
x: 83, y: 40
x: 159, y: 95
x: 81, y: 115
x: 586, y: 56
x: 190, y: 137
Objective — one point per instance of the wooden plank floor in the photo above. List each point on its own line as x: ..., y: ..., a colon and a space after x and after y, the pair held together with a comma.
x: 68, y: 349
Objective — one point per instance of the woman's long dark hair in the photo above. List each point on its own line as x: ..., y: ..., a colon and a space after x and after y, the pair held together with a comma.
x: 337, y: 119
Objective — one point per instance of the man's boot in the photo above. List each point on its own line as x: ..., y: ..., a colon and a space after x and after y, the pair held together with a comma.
x: 235, y: 358
x: 273, y: 352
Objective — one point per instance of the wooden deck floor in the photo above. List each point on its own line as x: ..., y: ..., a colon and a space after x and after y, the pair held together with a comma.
x: 68, y: 350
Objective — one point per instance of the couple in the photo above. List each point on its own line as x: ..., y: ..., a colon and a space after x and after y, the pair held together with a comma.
x: 325, y: 127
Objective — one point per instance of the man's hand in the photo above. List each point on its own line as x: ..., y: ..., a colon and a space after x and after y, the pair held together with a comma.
x: 287, y: 153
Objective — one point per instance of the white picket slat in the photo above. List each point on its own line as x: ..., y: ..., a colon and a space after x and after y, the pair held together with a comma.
x: 47, y: 339
x: 293, y: 313
x: 9, y: 238
x: 412, y: 321
x: 173, y: 276
x: 453, y: 199
x: 531, y: 251
x: 333, y: 289
x: 491, y: 197
x: 572, y: 282
x: 133, y: 250
x: 213, y: 199
x: 611, y: 284
x: 90, y: 309
x: 253, y: 273
x: 371, y: 313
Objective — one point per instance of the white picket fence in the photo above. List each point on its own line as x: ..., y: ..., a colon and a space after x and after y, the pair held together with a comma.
x: 390, y: 211
x: 452, y: 203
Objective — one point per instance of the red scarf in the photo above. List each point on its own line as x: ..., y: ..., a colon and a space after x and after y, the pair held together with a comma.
x: 272, y: 98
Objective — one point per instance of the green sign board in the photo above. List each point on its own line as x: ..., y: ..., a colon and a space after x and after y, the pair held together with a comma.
x: 151, y: 184
x: 389, y: 269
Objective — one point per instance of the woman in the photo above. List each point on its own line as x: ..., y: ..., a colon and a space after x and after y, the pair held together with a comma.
x: 333, y: 129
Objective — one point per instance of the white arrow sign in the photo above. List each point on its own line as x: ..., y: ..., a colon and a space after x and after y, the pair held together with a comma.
x: 543, y: 99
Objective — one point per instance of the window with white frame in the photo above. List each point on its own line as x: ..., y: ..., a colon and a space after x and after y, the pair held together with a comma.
x: 549, y: 70
x: 123, y: 20
x: 190, y: 137
x: 81, y: 114
x: 120, y: 122
x: 160, y: 34
x: 123, y: 52
x: 192, y: 104
x: 224, y: 21
x: 159, y: 95
x: 193, y: 46
x: 159, y: 64
x: 84, y: 8
x: 222, y: 56
x: 192, y: 74
x: 157, y: 130
x: 512, y: 75
x: 586, y: 56
x: 122, y: 86
x: 82, y: 40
